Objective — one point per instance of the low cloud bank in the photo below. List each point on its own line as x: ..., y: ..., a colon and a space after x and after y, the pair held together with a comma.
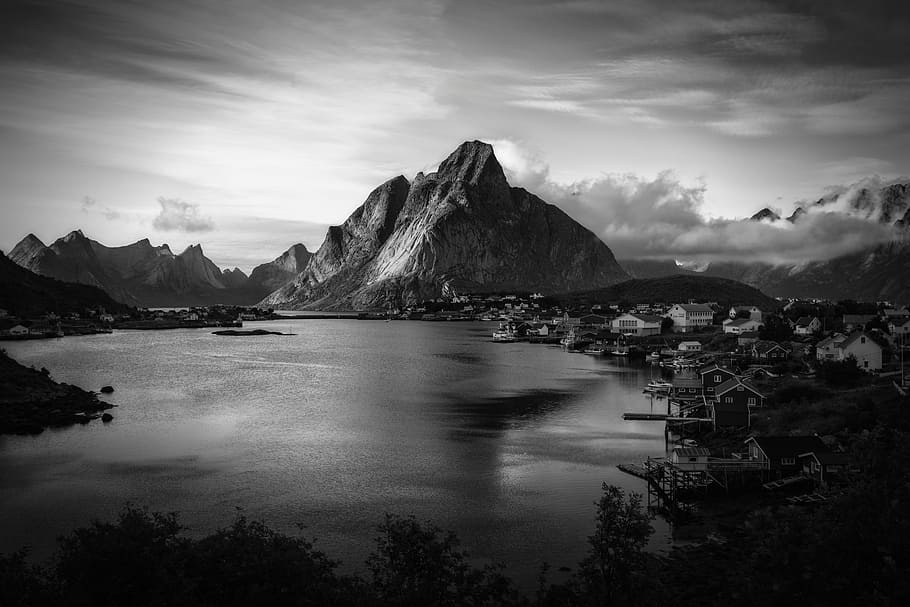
x: 662, y: 218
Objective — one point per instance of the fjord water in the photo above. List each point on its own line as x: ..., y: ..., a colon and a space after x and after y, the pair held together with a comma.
x: 506, y: 444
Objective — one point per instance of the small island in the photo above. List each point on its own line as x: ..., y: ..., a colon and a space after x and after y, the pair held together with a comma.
x: 253, y: 332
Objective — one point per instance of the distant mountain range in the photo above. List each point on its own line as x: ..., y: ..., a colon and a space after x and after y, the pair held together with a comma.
x: 669, y: 289
x: 141, y: 274
x: 459, y: 229
x: 877, y: 273
x: 26, y: 294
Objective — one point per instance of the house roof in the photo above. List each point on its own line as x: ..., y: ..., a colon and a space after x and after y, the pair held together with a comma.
x: 690, y: 343
x: 804, y: 321
x: 686, y: 382
x: 828, y: 458
x: 696, y: 307
x: 715, y: 367
x: 835, y: 339
x: 900, y: 322
x: 853, y: 319
x: 735, y: 382
x: 745, y: 308
x: 692, y: 451
x: 763, y: 346
x: 741, y: 322
x: 648, y: 318
x: 854, y: 337
x: 776, y: 447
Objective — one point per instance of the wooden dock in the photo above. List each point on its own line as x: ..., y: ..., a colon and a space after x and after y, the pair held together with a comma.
x: 647, y: 417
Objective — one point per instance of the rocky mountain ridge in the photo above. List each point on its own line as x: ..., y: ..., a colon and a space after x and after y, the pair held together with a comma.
x: 459, y: 229
x: 139, y: 274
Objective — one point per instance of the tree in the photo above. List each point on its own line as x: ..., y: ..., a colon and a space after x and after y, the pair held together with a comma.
x: 608, y: 572
x: 422, y: 565
x: 666, y: 325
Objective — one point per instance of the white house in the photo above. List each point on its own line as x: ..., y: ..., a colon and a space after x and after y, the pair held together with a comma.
x: 753, y: 312
x: 689, y: 346
x: 829, y: 348
x: 806, y: 325
x: 636, y: 324
x: 866, y: 351
x: 690, y: 317
x: 741, y: 325
x: 860, y: 345
x: 18, y: 330
x: 690, y: 458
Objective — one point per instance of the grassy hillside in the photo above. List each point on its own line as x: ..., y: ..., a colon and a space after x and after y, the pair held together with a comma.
x: 24, y: 293
x: 675, y: 289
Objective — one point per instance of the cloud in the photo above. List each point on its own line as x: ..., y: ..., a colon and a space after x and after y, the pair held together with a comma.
x: 90, y: 204
x: 179, y: 216
x: 662, y: 218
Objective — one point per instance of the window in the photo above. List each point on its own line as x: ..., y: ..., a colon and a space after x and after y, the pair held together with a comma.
x: 693, y: 459
x: 717, y: 379
x: 862, y: 340
x: 787, y: 461
x: 751, y: 400
x: 728, y: 399
x: 692, y: 390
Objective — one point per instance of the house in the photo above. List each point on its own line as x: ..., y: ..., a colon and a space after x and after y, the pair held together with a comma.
x: 780, y: 454
x: 595, y: 320
x: 857, y: 321
x: 748, y: 312
x: 689, y: 346
x: 747, y: 339
x: 899, y: 327
x: 690, y: 458
x: 824, y: 467
x: 867, y: 351
x: 636, y: 324
x: 686, y: 388
x: 741, y: 325
x: 739, y: 392
x: 829, y: 348
x: 18, y: 330
x: 690, y: 317
x: 771, y: 351
x: 713, y: 376
x: 730, y: 415
x: 806, y: 325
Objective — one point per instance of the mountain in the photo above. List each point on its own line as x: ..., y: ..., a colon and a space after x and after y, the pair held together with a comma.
x: 765, y: 214
x: 877, y: 273
x: 138, y: 274
x: 674, y: 289
x: 459, y: 229
x: 283, y: 269
x: 26, y: 294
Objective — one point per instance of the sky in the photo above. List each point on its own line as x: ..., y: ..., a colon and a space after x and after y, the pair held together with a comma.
x: 250, y: 126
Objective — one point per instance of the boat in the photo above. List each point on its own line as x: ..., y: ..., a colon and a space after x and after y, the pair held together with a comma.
x: 597, y: 351
x: 621, y: 351
x: 503, y: 335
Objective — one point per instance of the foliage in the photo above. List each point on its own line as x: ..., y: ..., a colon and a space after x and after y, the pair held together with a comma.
x: 422, y: 565
x: 775, y: 328
x: 841, y: 373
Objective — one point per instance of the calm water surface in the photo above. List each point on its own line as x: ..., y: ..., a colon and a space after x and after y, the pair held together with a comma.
x: 506, y: 444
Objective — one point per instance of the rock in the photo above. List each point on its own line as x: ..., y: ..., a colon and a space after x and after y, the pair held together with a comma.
x: 460, y: 229
x: 106, y: 417
x: 107, y: 389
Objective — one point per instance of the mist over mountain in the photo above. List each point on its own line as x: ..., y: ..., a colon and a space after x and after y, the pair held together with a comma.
x: 459, y: 229
x: 877, y: 272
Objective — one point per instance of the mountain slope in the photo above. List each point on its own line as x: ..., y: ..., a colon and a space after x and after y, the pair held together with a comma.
x: 282, y: 269
x: 674, y: 289
x: 462, y: 228
x: 138, y: 274
x: 26, y: 294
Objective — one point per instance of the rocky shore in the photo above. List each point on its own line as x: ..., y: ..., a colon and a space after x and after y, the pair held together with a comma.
x: 31, y: 401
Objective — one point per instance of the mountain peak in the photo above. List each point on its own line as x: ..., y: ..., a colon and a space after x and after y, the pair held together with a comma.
x: 31, y: 240
x: 765, y: 213
x: 472, y: 162
x: 74, y: 235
